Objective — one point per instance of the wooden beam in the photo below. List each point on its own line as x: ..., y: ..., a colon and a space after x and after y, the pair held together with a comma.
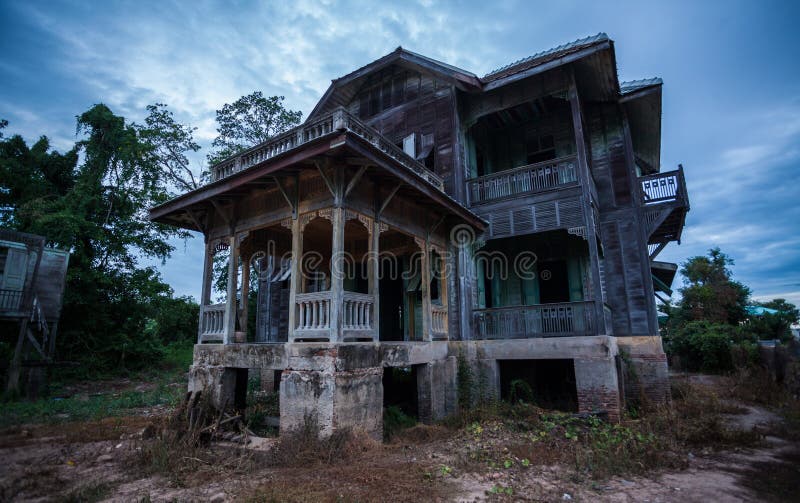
x: 354, y: 181
x: 388, y: 199
x: 193, y: 217
x: 328, y: 182
x: 285, y: 194
x: 436, y: 225
x: 223, y: 213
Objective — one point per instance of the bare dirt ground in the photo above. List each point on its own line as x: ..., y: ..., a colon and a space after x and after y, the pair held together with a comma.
x: 101, y: 461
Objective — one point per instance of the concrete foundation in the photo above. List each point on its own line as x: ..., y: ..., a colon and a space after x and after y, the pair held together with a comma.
x: 339, y: 385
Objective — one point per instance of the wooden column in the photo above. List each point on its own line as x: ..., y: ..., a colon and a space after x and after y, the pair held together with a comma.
x: 245, y: 294
x: 205, y: 292
x: 425, y: 284
x: 373, y: 275
x: 230, y: 303
x: 587, y: 183
x: 337, y: 272
x: 295, y: 280
x: 208, y: 271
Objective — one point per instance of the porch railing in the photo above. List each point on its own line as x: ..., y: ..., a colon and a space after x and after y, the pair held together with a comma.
x: 337, y: 120
x: 212, y: 322
x: 669, y: 186
x: 313, y: 313
x: 10, y: 299
x: 532, y: 178
x: 438, y: 321
x: 539, y: 320
x: 357, y: 311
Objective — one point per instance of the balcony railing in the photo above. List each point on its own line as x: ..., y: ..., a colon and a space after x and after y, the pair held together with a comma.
x: 539, y: 320
x: 313, y: 314
x: 438, y: 322
x: 212, y: 322
x: 10, y: 299
x: 528, y: 179
x: 357, y: 311
x: 337, y: 120
x: 664, y: 187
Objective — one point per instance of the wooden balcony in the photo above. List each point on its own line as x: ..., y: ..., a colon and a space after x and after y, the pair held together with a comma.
x: 567, y: 319
x: 530, y: 179
x: 338, y: 120
x: 665, y: 202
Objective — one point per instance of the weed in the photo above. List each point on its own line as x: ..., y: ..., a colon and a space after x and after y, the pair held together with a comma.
x: 394, y: 421
x: 95, y: 491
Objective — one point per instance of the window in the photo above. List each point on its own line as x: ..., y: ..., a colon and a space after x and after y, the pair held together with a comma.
x: 539, y: 147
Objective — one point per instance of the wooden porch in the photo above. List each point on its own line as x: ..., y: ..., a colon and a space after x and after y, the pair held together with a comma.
x: 336, y: 188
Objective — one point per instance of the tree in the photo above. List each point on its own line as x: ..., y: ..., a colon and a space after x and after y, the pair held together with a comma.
x: 93, y: 201
x: 710, y: 294
x: 249, y: 121
x: 170, y: 142
x: 769, y: 326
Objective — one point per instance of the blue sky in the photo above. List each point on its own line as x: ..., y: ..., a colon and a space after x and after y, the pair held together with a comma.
x: 731, y: 110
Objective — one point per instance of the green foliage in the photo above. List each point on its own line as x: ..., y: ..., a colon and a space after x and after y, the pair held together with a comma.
x: 466, y: 382
x: 709, y: 347
x: 520, y: 391
x: 710, y: 294
x: 249, y: 121
x: 395, y: 420
x: 93, y: 201
x: 770, y: 326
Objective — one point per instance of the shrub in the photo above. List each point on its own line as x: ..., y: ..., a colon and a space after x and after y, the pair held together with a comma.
x: 711, y: 347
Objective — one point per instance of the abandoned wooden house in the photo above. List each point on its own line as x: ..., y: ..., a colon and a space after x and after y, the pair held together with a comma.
x: 424, y: 218
x: 32, y: 280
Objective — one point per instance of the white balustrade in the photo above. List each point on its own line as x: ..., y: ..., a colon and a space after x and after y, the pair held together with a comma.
x: 212, y: 322
x: 357, y: 311
x: 438, y: 321
x: 313, y: 312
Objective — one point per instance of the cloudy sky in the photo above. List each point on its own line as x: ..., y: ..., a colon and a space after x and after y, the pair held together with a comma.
x: 731, y: 111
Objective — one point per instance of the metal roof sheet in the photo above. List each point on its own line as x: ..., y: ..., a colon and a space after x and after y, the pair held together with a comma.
x: 634, y: 85
x: 544, y: 56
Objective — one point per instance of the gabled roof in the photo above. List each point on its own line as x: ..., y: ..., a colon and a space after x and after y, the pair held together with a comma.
x: 345, y: 87
x: 545, y: 56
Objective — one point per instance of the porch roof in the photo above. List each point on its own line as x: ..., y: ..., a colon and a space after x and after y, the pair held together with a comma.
x: 344, y: 139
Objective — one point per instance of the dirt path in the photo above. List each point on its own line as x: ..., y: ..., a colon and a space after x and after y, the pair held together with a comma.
x: 97, y: 462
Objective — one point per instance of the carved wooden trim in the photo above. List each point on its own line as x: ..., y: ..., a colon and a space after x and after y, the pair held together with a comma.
x: 578, y: 231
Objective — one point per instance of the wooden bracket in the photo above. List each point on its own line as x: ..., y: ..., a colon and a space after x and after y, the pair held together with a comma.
x: 328, y: 182
x: 196, y: 220
x: 225, y: 214
x: 388, y: 199
x: 285, y: 194
x: 354, y: 181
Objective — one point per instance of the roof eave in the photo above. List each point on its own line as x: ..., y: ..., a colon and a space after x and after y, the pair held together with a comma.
x: 549, y: 65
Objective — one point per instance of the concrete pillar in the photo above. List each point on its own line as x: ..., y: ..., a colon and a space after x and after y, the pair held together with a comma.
x: 436, y: 389
x: 596, y: 383
x: 336, y: 386
x: 645, y: 369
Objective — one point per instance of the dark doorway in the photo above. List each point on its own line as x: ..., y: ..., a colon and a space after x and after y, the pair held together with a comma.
x: 390, y: 289
x: 400, y: 389
x: 548, y: 383
x: 553, y: 282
